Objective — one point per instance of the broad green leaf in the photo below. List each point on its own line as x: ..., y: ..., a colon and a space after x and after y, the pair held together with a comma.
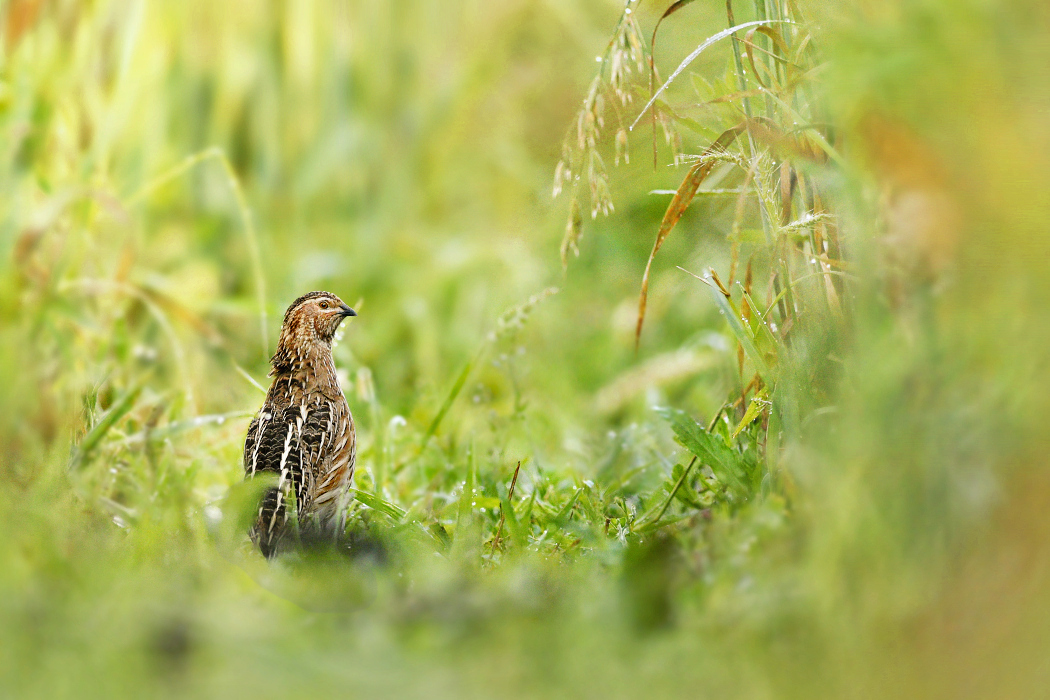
x: 710, y: 449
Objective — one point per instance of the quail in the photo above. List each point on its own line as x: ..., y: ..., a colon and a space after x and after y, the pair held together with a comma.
x: 304, y: 433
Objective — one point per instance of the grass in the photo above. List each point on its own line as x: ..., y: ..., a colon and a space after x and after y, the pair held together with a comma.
x: 798, y: 452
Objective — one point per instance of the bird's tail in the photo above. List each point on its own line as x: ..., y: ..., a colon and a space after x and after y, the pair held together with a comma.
x: 271, y: 522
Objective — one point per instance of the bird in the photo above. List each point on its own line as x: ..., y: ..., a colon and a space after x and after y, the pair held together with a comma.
x: 303, y: 433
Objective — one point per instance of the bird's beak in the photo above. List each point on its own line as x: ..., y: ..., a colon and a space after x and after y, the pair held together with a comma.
x: 346, y: 311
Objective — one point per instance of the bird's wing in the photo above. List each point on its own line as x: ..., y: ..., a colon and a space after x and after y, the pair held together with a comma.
x: 291, y: 443
x: 337, y: 460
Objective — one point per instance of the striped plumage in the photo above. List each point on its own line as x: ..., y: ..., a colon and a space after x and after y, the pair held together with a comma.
x: 304, y: 432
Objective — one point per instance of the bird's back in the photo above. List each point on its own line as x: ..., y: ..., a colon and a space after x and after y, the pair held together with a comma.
x: 303, y: 434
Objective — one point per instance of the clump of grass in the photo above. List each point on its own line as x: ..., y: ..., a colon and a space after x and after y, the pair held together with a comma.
x: 775, y: 146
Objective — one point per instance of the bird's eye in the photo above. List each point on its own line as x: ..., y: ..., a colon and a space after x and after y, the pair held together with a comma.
x: 324, y: 304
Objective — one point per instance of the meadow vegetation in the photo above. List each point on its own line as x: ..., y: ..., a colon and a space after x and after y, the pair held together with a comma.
x: 701, y: 348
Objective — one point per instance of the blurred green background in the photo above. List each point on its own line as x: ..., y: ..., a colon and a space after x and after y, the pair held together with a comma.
x: 175, y: 173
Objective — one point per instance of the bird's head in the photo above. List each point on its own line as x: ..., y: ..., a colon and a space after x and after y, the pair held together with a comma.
x: 312, y: 321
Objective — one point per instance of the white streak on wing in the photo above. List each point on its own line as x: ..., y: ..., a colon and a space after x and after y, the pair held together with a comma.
x: 300, y: 496
x: 301, y: 486
x: 284, y: 457
x: 326, y: 433
x: 284, y: 477
x: 263, y: 418
x: 273, y: 518
x: 321, y: 444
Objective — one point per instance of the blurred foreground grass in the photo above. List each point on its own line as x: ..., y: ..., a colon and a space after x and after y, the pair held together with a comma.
x: 174, y: 174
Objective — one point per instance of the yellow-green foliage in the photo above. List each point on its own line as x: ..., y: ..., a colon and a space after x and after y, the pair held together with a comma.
x: 821, y: 474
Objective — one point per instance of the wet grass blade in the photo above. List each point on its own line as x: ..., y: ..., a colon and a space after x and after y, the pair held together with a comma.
x: 182, y: 426
x: 754, y: 410
x: 699, y: 50
x: 507, y: 511
x: 467, y: 535
x: 736, y: 325
x: 674, y: 7
x: 457, y: 387
x: 760, y: 330
x: 249, y: 378
x: 563, y: 515
x: 508, y: 516
x: 749, y: 46
x: 728, y: 309
x: 382, y: 505
x: 652, y: 519
x: 680, y: 202
x: 108, y: 419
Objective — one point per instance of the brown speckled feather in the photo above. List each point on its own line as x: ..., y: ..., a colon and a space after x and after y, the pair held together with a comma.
x: 304, y: 432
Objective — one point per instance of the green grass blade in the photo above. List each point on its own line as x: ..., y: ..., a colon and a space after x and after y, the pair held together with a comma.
x: 696, y: 52
x: 382, y: 505
x: 563, y: 515
x: 732, y: 315
x: 653, y: 517
x: 98, y: 431
x: 754, y: 410
x: 457, y: 387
